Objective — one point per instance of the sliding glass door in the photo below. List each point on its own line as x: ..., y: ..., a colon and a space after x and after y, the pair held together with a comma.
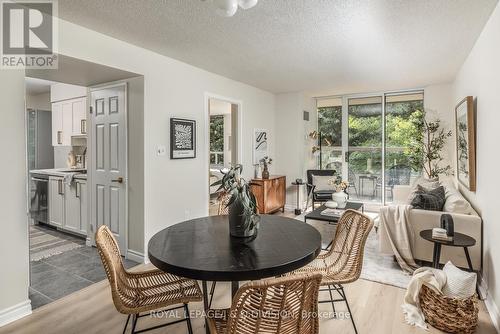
x: 367, y: 140
x: 364, y: 153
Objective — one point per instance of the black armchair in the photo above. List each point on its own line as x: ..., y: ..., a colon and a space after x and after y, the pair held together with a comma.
x: 318, y: 196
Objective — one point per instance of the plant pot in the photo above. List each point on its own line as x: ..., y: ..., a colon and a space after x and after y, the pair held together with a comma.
x: 265, y: 173
x: 239, y: 226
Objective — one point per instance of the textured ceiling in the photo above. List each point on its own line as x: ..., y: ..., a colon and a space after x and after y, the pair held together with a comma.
x: 320, y: 46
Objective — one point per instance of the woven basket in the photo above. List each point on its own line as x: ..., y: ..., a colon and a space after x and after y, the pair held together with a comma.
x: 449, y: 314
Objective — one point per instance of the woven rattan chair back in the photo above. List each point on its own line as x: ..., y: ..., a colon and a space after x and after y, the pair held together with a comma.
x: 283, y: 305
x: 115, y: 271
x: 345, y: 258
x: 223, y: 200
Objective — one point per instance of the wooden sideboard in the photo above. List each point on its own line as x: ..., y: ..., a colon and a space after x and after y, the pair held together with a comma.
x: 270, y: 193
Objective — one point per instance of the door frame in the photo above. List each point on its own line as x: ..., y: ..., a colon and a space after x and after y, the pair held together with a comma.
x: 206, y: 148
x: 90, y: 154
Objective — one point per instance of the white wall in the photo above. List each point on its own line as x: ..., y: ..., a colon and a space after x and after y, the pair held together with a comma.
x: 479, y: 77
x: 293, y: 147
x: 39, y: 101
x: 438, y: 103
x: 13, y: 209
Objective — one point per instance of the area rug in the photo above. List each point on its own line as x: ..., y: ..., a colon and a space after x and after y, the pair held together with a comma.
x: 46, y: 242
x: 376, y: 266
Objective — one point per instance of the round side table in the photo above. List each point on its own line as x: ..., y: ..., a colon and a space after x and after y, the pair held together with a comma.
x: 298, y: 209
x: 459, y: 240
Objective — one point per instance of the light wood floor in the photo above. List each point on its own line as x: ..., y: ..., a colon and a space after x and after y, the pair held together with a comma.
x: 376, y: 309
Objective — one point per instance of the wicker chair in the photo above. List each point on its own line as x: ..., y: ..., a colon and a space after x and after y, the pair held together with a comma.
x: 286, y: 305
x: 342, y: 263
x: 138, y: 292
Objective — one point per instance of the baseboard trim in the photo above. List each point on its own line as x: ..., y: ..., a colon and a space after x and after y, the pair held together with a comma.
x: 135, y: 256
x: 490, y: 304
x: 15, y: 312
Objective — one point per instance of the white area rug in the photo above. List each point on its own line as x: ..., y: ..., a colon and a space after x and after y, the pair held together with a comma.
x: 376, y: 266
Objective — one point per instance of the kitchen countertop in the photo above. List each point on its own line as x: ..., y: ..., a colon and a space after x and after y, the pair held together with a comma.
x: 61, y: 172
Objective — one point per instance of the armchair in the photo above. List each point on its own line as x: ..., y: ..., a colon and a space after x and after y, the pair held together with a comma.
x: 318, y: 195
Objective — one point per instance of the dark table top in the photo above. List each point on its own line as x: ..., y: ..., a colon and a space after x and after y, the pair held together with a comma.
x: 459, y: 239
x: 202, y: 249
x: 316, y: 214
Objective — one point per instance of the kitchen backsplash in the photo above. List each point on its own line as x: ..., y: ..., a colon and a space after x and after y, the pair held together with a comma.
x: 61, y: 154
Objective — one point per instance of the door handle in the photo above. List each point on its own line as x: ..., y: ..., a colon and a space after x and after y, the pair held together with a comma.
x: 59, y: 136
x: 118, y: 180
x: 60, y: 188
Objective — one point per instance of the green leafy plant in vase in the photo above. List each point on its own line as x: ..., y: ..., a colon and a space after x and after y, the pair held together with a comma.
x: 243, y: 217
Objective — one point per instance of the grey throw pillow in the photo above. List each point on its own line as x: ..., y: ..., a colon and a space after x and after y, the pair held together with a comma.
x: 429, y: 199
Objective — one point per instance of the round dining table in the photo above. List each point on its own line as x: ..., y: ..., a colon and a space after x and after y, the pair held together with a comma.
x: 202, y: 249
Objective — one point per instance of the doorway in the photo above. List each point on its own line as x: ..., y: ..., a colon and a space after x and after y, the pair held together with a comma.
x: 64, y: 211
x: 223, y: 150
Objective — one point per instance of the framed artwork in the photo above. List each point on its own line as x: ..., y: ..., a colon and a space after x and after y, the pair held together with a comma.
x: 259, y: 145
x: 466, y: 143
x: 182, y: 138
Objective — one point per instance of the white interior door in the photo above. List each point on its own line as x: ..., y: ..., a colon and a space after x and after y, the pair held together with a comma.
x: 109, y: 160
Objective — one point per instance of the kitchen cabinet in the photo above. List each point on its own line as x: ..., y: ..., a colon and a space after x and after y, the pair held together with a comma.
x: 56, y: 201
x: 68, y: 205
x: 69, y: 118
x: 270, y: 193
x: 76, y: 207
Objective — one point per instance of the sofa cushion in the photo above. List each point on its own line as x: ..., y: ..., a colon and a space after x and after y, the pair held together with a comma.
x: 459, y: 284
x: 322, y: 183
x: 455, y: 202
x: 428, y: 199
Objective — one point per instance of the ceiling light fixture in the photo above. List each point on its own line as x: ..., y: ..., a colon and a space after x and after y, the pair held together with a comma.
x: 228, y: 8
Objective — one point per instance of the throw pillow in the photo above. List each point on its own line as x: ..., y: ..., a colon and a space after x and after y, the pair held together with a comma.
x: 432, y: 199
x: 459, y: 284
x: 322, y: 183
x: 455, y: 202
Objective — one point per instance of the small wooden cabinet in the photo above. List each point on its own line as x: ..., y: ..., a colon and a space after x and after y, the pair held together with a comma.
x: 270, y: 193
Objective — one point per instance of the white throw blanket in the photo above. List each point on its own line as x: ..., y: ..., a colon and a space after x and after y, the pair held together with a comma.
x: 434, y: 279
x: 395, y: 219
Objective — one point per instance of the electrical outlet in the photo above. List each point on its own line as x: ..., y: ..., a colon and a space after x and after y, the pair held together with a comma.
x: 161, y: 150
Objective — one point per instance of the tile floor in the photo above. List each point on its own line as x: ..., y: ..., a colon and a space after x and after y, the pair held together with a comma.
x: 65, y: 273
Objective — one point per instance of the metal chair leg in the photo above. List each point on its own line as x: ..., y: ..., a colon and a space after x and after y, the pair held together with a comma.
x: 331, y: 298
x: 188, y: 319
x: 126, y: 324
x: 134, y: 322
x: 212, y: 291
x: 349, y: 309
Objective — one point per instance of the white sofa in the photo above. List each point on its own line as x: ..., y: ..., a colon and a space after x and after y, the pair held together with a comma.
x: 466, y: 221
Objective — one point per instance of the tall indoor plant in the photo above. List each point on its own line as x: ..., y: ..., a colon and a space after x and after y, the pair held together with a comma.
x: 429, y: 139
x: 243, y: 217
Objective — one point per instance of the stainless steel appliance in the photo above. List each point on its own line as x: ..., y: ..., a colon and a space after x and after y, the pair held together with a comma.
x: 39, y: 198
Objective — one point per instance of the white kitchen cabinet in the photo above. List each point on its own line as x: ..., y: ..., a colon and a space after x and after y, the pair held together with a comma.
x: 69, y: 118
x: 56, y: 201
x: 76, y: 207
x: 71, y: 208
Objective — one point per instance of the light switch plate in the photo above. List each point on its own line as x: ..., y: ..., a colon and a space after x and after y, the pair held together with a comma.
x: 161, y: 150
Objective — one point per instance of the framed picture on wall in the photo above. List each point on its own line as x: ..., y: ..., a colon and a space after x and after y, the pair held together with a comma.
x: 182, y: 138
x: 260, y: 144
x: 466, y: 143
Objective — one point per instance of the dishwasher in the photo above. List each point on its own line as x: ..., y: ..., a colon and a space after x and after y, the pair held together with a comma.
x: 39, y: 198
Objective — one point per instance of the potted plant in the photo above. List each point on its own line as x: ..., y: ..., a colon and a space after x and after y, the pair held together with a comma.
x: 266, y: 161
x: 243, y: 217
